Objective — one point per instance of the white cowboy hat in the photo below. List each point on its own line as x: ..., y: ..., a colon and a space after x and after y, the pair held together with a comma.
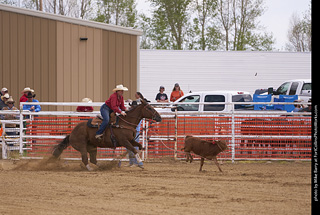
x: 120, y: 87
x: 10, y: 100
x: 4, y: 89
x: 5, y: 96
x: 27, y: 89
x: 88, y: 100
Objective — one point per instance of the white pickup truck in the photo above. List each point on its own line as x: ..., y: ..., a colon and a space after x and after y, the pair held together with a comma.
x: 300, y: 87
x: 210, y: 96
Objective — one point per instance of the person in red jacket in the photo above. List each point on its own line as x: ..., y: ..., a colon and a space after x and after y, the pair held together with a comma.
x: 115, y: 103
x: 25, y: 92
x: 85, y: 108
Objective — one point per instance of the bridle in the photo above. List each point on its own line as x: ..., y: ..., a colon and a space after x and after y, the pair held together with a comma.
x: 147, y: 107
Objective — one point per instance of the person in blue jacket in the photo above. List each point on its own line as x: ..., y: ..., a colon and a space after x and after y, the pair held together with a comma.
x: 32, y: 108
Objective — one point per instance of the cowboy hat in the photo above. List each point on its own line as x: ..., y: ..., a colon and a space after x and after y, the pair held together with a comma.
x: 4, y: 89
x: 5, y: 96
x: 10, y: 100
x: 120, y: 87
x: 27, y: 89
x: 88, y: 100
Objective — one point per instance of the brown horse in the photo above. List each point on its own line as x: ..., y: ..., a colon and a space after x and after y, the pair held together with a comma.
x: 82, y: 138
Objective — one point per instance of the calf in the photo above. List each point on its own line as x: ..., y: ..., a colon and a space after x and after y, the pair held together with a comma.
x: 205, y: 149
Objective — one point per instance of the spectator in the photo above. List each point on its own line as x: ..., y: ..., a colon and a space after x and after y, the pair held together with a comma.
x: 32, y: 108
x: 10, y: 103
x: 3, y: 91
x: 307, y: 109
x: 176, y: 93
x: 25, y: 92
x: 161, y: 96
x: 4, y: 98
x: 132, y: 159
x: 297, y: 107
x: 85, y: 108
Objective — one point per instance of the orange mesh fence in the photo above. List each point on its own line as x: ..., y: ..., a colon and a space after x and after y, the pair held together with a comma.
x: 263, y: 137
x: 255, y: 137
x: 57, y: 126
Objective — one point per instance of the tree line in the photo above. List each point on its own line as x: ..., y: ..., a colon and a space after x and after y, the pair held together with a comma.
x: 185, y: 24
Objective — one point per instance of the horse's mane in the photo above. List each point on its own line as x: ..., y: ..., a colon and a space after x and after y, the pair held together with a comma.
x: 133, y: 108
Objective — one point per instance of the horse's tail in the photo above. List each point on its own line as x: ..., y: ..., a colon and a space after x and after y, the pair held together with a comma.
x: 58, y: 149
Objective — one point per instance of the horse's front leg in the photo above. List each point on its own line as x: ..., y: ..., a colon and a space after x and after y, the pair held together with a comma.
x: 135, y: 143
x: 130, y: 147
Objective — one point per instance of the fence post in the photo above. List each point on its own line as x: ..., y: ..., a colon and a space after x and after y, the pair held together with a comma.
x: 21, y: 132
x: 144, y: 152
x: 176, y: 134
x: 233, y: 134
x: 4, y: 143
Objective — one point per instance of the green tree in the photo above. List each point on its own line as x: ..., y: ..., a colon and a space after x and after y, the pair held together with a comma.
x: 117, y: 12
x: 299, y: 33
x: 239, y: 21
x: 171, y: 17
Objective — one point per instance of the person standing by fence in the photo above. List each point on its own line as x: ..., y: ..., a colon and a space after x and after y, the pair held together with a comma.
x: 176, y: 93
x: 161, y: 96
x: 32, y: 108
x: 10, y: 102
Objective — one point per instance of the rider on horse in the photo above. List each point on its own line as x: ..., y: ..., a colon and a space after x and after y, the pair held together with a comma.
x: 115, y: 103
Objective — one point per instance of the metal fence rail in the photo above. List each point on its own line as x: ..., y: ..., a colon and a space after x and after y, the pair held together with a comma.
x: 251, y: 135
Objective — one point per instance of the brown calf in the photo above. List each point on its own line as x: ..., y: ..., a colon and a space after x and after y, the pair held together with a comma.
x: 205, y: 149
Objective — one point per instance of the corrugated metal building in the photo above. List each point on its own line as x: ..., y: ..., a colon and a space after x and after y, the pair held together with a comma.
x: 44, y: 51
x: 219, y: 70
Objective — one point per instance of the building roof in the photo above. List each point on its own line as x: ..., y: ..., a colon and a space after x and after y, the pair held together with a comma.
x: 76, y: 21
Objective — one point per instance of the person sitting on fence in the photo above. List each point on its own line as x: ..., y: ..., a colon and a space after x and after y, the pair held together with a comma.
x: 10, y: 102
x: 4, y: 90
x: 115, y: 103
x: 25, y: 92
x: 32, y: 108
x: 85, y: 108
x: 4, y: 98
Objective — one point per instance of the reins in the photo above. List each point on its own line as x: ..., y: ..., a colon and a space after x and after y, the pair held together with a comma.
x: 134, y: 124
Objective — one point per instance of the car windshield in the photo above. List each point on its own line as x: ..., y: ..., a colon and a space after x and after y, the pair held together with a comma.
x: 306, y: 86
x: 242, y: 98
x: 189, y: 107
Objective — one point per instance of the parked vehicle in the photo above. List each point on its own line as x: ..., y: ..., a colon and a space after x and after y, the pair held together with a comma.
x: 300, y: 87
x: 182, y: 104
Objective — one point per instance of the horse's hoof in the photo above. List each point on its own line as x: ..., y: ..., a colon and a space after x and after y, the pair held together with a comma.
x: 89, y: 167
x: 141, y: 165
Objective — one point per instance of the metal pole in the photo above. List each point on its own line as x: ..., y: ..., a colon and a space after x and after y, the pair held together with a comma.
x: 233, y: 134
x: 21, y: 132
x: 146, y: 138
x: 176, y: 134
x: 4, y: 143
x: 144, y: 157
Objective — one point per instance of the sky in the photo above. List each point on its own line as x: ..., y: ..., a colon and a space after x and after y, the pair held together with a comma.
x: 276, y: 18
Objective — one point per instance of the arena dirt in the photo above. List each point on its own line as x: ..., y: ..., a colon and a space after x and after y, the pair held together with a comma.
x: 164, y: 187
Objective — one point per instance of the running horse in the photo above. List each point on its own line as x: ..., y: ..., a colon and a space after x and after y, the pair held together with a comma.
x: 82, y: 137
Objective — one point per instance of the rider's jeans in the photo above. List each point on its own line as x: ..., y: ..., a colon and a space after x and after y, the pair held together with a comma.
x: 105, y: 113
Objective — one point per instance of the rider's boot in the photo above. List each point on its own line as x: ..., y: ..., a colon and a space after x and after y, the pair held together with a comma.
x: 99, y: 136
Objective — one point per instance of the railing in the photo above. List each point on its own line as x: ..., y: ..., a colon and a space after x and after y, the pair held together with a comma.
x: 251, y: 135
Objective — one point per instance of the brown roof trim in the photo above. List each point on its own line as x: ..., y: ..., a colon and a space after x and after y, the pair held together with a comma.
x: 77, y: 21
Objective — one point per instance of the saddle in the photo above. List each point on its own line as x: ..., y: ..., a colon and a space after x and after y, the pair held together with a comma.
x: 96, y: 122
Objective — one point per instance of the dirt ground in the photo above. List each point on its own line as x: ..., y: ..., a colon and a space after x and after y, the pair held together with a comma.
x: 164, y: 187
